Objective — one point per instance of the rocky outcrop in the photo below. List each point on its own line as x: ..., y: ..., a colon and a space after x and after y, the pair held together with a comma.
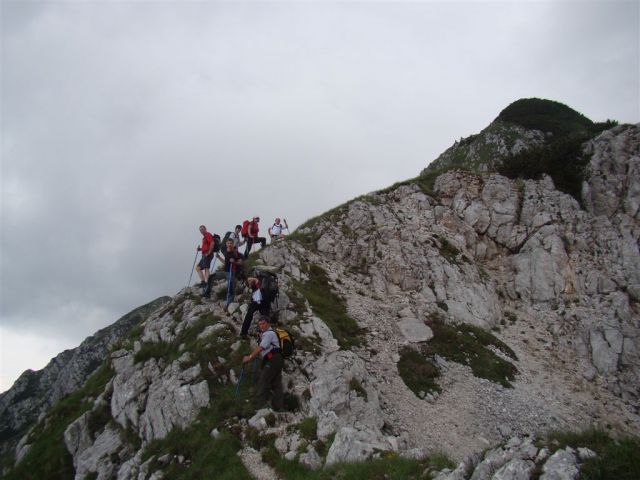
x: 35, y: 392
x: 519, y: 459
x: 484, y: 151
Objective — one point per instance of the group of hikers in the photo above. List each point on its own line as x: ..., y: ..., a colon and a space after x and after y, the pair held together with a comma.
x: 227, y: 250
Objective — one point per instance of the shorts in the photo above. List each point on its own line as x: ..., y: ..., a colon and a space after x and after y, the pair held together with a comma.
x: 206, y: 261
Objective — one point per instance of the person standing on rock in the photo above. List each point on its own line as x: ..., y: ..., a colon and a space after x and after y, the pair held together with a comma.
x: 257, y: 304
x: 275, y: 232
x: 272, y: 362
x: 236, y: 237
x: 207, y: 256
x: 232, y: 268
x: 252, y: 236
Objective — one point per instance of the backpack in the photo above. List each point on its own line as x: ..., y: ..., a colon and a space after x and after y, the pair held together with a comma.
x: 268, y: 285
x: 216, y: 243
x: 245, y: 228
x: 287, y: 344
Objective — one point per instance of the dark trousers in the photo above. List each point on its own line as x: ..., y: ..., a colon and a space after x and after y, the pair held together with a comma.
x: 262, y: 307
x: 271, y: 381
x: 250, y: 241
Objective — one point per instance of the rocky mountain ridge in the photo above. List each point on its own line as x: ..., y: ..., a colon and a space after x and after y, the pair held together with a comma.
x: 475, y: 312
x: 33, y: 393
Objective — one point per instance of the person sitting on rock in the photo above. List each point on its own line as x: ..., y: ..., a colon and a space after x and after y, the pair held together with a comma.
x: 272, y: 362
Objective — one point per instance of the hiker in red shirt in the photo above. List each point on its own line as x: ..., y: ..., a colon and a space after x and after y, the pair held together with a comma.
x: 252, y: 236
x: 207, y: 256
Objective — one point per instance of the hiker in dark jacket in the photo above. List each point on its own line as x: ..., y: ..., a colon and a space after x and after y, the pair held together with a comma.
x: 233, y: 265
x: 257, y: 304
x: 252, y: 236
x: 272, y: 363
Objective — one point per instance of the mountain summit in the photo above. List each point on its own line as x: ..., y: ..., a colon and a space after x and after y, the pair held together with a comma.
x: 445, y: 328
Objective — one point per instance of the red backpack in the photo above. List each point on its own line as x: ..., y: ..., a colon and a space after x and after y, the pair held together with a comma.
x: 245, y: 228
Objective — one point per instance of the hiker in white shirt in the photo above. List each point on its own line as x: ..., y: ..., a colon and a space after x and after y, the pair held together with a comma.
x: 275, y: 232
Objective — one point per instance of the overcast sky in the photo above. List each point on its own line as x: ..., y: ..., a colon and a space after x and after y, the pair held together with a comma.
x: 125, y: 125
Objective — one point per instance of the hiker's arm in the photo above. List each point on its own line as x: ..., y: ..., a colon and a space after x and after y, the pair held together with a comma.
x: 254, y: 354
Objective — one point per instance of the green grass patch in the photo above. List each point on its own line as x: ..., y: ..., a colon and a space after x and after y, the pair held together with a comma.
x: 357, y: 387
x: 467, y: 344
x: 330, y: 307
x: 448, y: 250
x: 204, y: 456
x: 201, y: 349
x: 417, y: 372
x: 390, y: 467
x: 48, y: 457
x: 619, y: 459
x: 308, y: 428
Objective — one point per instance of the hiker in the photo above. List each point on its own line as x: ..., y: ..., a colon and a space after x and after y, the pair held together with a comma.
x: 251, y: 235
x: 237, y: 237
x: 275, y: 232
x: 258, y: 303
x: 272, y: 362
x: 207, y: 255
x: 232, y: 259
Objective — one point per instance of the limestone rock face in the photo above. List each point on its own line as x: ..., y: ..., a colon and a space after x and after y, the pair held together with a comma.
x: 35, y: 392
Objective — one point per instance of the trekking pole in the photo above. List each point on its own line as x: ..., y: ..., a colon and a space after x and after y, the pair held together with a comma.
x: 229, y: 285
x: 239, y: 380
x: 192, y: 269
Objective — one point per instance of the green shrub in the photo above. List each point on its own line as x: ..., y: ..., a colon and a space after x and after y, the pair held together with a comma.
x: 562, y: 157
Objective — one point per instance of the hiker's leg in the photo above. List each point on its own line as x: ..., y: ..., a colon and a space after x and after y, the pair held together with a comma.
x: 205, y: 274
x: 277, y: 400
x: 253, y: 306
x: 263, y: 386
x: 263, y: 241
x: 248, y: 247
x: 199, y: 271
x: 264, y: 307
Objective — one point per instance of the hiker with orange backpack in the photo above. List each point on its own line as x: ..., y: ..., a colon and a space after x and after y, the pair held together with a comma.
x: 270, y: 380
x: 250, y: 230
